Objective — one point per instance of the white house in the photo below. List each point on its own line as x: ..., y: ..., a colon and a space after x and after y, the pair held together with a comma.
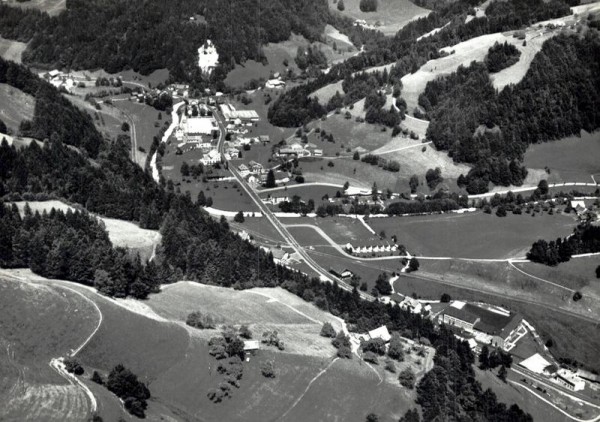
x: 211, y: 157
x: 381, y: 332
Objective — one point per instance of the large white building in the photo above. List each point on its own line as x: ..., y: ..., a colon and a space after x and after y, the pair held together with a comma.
x: 208, y: 58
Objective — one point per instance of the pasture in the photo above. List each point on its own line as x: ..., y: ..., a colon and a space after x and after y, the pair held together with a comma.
x: 572, y: 159
x: 52, y: 7
x: 39, y: 323
x: 260, y: 229
x: 11, y: 50
x: 15, y: 106
x: 277, y: 53
x: 121, y: 233
x: 297, y: 322
x: 390, y: 17
x: 509, y: 393
x: 473, y: 235
x: 145, y: 119
x: 577, y: 274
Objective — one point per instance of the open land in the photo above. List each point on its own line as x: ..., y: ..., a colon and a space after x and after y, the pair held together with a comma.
x: 15, y: 106
x: 277, y: 53
x: 39, y: 323
x: 569, y: 159
x: 173, y: 359
x: 12, y: 50
x: 390, y: 17
x: 473, y: 235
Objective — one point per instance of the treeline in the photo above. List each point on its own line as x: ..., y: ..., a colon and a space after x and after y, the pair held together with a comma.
x: 501, y: 56
x: 559, y: 96
x: 408, y: 54
x: 585, y: 239
x: 434, y: 205
x: 72, y: 246
x: 376, y: 160
x: 54, y: 116
x: 145, y: 36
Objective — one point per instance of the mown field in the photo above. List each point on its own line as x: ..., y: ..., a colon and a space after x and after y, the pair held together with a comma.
x: 578, y: 274
x: 473, y: 235
x: 390, y: 17
x: 572, y: 159
x: 145, y: 119
x: 15, y: 106
x: 11, y: 50
x: 39, y: 323
x: 344, y: 230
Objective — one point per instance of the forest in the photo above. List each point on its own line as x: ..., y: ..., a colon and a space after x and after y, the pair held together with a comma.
x: 408, y: 54
x: 501, y: 56
x: 144, y: 36
x: 559, y: 96
x: 585, y: 239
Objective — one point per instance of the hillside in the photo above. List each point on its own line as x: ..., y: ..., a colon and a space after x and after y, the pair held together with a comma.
x: 174, y: 359
x: 15, y: 106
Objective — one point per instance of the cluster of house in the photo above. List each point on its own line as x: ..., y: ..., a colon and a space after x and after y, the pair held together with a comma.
x: 59, y: 80
x: 370, y: 249
x: 571, y: 380
x: 240, y: 141
x: 210, y: 158
x: 586, y: 208
x: 299, y: 150
x: 180, y: 90
x: 251, y: 168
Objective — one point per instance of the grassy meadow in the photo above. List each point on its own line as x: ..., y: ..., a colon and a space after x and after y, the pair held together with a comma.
x: 473, y: 235
x: 15, y: 106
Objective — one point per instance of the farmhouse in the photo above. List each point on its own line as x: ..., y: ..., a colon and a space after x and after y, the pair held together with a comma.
x: 344, y: 275
x: 243, y: 169
x: 275, y: 84
x: 256, y: 167
x: 487, y: 325
x: 381, y: 332
x: 210, y: 158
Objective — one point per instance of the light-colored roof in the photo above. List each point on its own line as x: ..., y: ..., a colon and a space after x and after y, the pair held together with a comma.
x: 251, y: 345
x: 458, y: 304
x: 202, y: 125
x: 535, y: 363
x: 381, y: 332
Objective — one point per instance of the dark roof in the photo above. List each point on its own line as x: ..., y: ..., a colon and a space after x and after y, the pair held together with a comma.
x: 461, y: 314
x: 493, y: 323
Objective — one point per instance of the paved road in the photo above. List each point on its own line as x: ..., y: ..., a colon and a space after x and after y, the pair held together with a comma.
x: 285, y: 234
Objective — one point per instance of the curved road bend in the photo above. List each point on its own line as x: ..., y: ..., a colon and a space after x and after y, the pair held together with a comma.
x: 323, y: 274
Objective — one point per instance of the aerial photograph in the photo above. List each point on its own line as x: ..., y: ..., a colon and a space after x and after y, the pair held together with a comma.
x: 300, y: 210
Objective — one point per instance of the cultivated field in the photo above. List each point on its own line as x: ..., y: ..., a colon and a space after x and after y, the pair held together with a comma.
x: 52, y: 7
x: 473, y: 235
x: 15, y: 106
x: 571, y: 159
x: 11, y: 50
x: 390, y: 17
x: 39, y: 323
x: 121, y: 233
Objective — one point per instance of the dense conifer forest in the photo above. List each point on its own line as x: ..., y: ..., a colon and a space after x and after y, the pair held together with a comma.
x: 559, y: 96
x: 145, y: 36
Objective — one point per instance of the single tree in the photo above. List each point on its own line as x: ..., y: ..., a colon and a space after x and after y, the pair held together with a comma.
x: 407, y: 378
x: 340, y: 5
x: 239, y: 217
x: 270, y: 183
x: 502, y: 373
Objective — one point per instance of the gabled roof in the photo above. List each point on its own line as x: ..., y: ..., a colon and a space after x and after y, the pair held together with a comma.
x: 381, y: 332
